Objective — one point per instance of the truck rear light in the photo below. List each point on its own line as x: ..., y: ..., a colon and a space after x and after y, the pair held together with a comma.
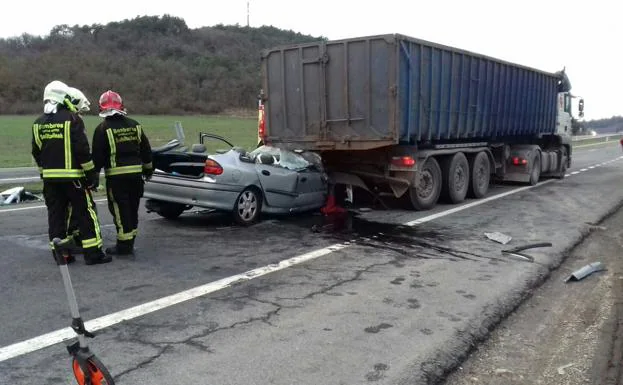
x: 517, y: 161
x: 212, y: 167
x: 403, y: 161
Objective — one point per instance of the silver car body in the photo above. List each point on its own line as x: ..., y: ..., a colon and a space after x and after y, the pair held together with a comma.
x: 292, y: 183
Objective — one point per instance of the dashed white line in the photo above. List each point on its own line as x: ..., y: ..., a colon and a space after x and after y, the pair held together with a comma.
x: 58, y: 336
x: 591, y: 167
x: 584, y: 169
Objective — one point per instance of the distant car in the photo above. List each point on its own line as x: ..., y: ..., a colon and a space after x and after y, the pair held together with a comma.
x: 247, y: 184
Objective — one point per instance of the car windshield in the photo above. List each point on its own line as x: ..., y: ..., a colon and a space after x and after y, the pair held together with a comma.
x: 284, y: 158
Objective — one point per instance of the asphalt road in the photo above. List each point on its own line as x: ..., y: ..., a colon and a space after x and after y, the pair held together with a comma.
x: 375, y: 302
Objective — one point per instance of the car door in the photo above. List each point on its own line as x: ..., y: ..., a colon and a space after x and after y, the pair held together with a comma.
x: 279, y: 185
x: 311, y: 188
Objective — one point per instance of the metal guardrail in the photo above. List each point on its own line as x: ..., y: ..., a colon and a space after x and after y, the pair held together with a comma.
x: 605, y: 137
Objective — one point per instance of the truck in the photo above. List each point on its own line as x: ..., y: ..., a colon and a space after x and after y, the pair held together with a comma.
x: 414, y: 120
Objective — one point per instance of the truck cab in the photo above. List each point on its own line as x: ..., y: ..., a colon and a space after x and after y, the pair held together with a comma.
x: 564, y: 117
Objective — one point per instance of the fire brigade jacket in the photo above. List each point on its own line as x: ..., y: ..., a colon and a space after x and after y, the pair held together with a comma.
x: 121, y: 147
x: 60, y: 146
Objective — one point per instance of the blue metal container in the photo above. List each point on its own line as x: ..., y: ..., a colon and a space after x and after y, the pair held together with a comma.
x: 377, y: 91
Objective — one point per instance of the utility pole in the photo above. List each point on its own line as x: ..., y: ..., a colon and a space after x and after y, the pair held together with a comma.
x: 247, y: 13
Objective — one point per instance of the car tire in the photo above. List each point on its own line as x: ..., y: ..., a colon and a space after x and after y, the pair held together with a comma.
x: 248, y: 206
x: 171, y: 210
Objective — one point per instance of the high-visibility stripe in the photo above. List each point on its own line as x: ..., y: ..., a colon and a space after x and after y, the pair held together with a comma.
x: 97, y: 241
x: 62, y: 173
x: 139, y: 132
x: 88, y: 166
x: 121, y: 234
x: 91, y: 242
x: 69, y: 212
x: 113, y: 148
x: 134, y: 169
x: 35, y: 133
x: 67, y: 141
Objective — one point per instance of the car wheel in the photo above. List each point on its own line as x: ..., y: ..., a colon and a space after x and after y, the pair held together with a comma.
x: 171, y: 210
x: 248, y: 206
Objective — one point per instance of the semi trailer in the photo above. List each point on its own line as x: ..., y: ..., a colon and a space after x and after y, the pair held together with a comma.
x: 410, y: 119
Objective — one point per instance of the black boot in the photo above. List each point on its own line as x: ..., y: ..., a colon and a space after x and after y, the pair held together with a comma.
x: 96, y: 256
x: 122, y: 248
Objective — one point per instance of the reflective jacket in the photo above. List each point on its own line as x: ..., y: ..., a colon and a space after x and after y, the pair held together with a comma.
x: 121, y: 147
x: 60, y: 146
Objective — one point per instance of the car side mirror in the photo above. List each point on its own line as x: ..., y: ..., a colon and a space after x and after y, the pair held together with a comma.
x: 581, y: 108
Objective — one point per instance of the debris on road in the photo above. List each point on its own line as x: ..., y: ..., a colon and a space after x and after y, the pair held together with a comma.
x: 586, y: 271
x: 499, y: 237
x: 516, y: 251
x: 17, y: 195
x: 561, y: 369
x: 593, y: 226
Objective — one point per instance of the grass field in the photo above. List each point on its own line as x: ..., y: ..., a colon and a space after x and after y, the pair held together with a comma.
x: 16, y: 134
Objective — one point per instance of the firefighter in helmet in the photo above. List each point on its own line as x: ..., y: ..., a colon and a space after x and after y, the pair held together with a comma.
x: 82, y: 105
x: 61, y: 149
x: 121, y: 147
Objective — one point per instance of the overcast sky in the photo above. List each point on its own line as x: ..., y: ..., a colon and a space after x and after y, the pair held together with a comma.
x: 585, y: 37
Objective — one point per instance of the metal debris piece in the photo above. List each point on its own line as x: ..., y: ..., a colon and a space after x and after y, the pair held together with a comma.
x: 17, y: 195
x: 525, y: 257
x: 561, y: 369
x: 586, y: 271
x: 499, y: 237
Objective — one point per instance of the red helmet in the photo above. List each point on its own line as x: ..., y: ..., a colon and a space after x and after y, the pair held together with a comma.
x: 110, y: 100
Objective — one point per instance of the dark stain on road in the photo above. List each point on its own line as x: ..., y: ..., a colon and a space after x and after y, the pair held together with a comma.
x: 426, y: 331
x: 398, y: 281
x: 377, y: 373
x: 414, y: 303
x: 378, y: 328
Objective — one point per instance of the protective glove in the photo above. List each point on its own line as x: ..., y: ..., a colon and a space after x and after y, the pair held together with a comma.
x: 93, y: 180
x: 147, y: 173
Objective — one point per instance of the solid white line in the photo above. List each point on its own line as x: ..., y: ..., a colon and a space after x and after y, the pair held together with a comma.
x: 45, y: 340
x: 64, y: 334
x: 19, y: 178
x: 39, y: 207
x: 473, y: 204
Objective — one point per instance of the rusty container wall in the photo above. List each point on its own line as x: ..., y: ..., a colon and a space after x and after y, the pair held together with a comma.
x: 376, y: 91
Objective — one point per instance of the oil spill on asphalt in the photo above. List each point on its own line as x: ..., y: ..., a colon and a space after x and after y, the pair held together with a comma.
x: 407, y: 241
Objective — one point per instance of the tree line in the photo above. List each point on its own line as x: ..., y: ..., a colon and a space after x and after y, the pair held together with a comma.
x: 157, y: 63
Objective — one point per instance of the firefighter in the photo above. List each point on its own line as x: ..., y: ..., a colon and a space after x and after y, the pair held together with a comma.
x: 121, y: 147
x: 82, y: 105
x: 61, y: 150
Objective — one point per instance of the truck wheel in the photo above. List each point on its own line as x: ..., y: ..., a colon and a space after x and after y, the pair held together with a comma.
x: 535, y: 172
x: 563, y: 164
x: 171, y: 210
x: 248, y: 206
x: 480, y: 175
x: 456, y: 177
x: 425, y: 193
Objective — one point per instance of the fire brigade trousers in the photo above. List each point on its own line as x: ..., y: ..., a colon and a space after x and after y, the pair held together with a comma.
x: 59, y: 198
x: 124, y: 196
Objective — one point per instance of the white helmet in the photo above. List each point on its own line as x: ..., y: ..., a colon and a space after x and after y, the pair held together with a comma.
x: 53, y: 95
x: 79, y: 100
x: 55, y: 91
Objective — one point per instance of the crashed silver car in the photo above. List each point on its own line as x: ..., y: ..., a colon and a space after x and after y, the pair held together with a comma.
x: 247, y: 184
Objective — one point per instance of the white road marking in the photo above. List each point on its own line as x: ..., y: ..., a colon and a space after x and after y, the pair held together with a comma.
x: 591, y: 167
x: 575, y: 173
x: 58, y: 336
x: 584, y: 169
x: 567, y: 175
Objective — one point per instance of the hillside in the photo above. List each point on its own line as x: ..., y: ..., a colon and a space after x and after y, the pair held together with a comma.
x: 158, y: 64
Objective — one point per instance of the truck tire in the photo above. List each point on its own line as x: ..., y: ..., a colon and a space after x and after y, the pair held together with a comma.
x: 480, y: 168
x: 425, y: 194
x: 563, y: 164
x: 535, y: 171
x: 456, y: 177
